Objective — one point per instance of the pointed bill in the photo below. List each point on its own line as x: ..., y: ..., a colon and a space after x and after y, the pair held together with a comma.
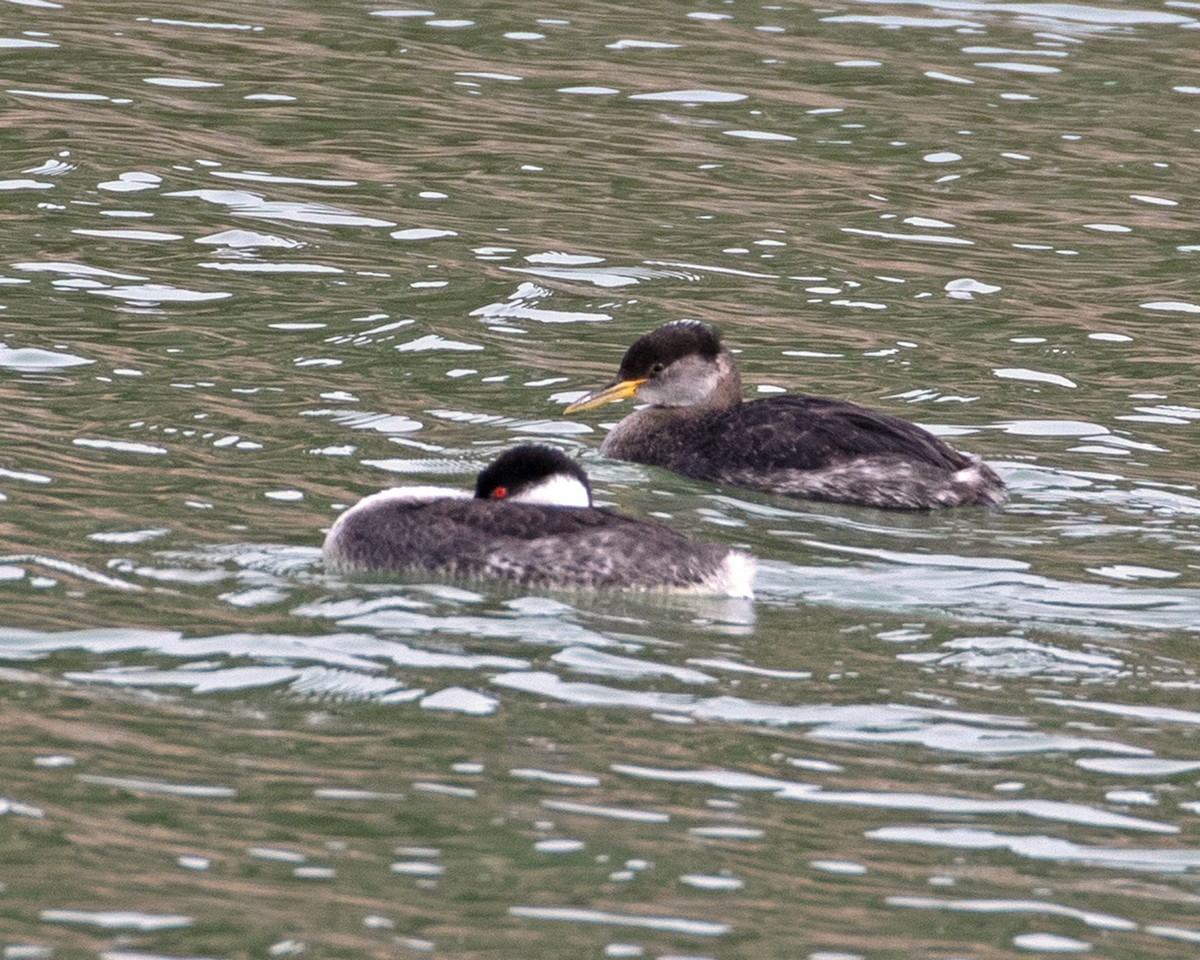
x: 618, y: 390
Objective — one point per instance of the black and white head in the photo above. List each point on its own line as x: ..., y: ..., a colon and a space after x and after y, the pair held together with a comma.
x: 532, y: 473
x: 681, y: 364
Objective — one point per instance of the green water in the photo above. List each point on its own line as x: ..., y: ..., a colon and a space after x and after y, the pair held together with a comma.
x: 260, y: 260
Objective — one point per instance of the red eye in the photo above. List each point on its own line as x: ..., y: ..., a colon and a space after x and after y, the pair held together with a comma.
x: 500, y: 493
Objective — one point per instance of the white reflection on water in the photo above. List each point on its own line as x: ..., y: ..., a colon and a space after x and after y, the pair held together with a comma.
x: 520, y: 305
x: 356, y: 652
x: 610, y: 813
x: 537, y: 630
x: 1090, y: 918
x: 897, y: 800
x: 727, y: 833
x: 67, y: 567
x: 118, y: 919
x: 834, y: 721
x: 691, y: 96
x: 142, y: 955
x: 248, y: 239
x: 698, y: 928
x: 943, y: 730
x: 588, y: 660
x: 16, y: 807
x: 72, y: 269
x: 244, y: 204
x: 970, y: 587
x: 957, y: 738
x: 1138, y: 767
x: 1132, y: 711
x: 262, y: 177
x: 155, y: 293
x: 460, y: 700
x: 118, y: 446
x: 928, y: 238
x: 309, y: 268
x: 845, y: 868
x: 1166, y: 860
x: 146, y: 235
x: 339, y: 793
x: 1174, y: 933
x: 556, y: 776
x: 559, y: 845
x: 277, y: 855
x: 730, y: 666
x: 1052, y: 810
x: 32, y: 359
x: 604, y: 277
x: 1016, y: 656
x: 418, y: 868
x: 136, y: 785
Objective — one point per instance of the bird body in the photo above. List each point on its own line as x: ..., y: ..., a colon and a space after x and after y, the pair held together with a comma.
x: 814, y: 447
x: 516, y: 529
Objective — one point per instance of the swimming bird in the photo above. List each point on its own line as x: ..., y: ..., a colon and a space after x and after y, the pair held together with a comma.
x: 696, y: 424
x: 531, y: 521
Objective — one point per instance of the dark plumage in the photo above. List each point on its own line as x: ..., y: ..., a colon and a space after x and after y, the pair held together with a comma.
x: 496, y: 536
x: 813, y: 447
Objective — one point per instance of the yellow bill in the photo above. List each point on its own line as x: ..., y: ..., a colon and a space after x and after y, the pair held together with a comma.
x: 620, y: 390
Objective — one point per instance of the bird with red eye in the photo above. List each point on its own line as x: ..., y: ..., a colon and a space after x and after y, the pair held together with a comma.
x: 531, y: 522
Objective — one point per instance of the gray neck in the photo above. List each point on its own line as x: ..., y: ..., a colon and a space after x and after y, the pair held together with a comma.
x: 728, y: 392
x: 639, y: 436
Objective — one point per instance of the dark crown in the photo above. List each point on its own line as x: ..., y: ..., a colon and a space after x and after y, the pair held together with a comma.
x: 670, y: 342
x: 524, y: 466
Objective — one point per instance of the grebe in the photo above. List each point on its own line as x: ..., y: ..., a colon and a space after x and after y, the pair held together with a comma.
x: 531, y: 522
x: 696, y: 424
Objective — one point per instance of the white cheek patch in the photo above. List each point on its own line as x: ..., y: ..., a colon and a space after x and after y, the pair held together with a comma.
x: 559, y: 490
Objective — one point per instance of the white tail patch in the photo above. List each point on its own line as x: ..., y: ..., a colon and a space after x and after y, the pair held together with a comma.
x: 971, y: 474
x: 736, y: 575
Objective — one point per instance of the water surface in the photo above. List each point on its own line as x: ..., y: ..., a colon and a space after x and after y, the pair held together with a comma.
x: 263, y: 260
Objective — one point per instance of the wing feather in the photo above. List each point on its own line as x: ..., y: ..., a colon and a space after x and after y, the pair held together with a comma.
x: 803, y: 433
x: 525, y: 543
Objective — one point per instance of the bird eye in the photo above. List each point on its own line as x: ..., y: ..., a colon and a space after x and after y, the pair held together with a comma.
x: 656, y: 369
x: 500, y: 493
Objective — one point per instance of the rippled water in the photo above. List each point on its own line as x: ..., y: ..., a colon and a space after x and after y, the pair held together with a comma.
x: 261, y: 260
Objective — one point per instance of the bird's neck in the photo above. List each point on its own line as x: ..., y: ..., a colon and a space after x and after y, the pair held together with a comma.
x: 724, y: 391
x: 728, y: 391
x: 717, y: 387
